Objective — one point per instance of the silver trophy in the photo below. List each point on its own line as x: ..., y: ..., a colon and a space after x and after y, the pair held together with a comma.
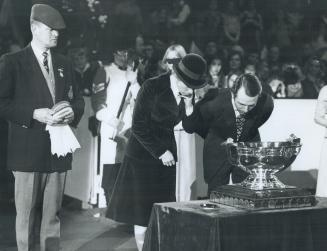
x: 262, y: 189
x: 263, y: 160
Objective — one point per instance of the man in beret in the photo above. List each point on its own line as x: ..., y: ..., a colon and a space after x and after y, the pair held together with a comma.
x: 32, y: 81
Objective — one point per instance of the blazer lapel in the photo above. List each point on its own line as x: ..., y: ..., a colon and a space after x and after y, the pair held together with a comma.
x: 58, y: 72
x: 35, y: 75
x: 167, y: 96
x: 229, y: 115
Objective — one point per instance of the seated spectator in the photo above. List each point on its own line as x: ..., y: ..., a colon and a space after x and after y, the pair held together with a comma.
x: 279, y: 30
x: 215, y: 76
x: 295, y: 20
x: 251, y: 27
x: 85, y: 69
x: 278, y: 88
x: 198, y: 36
x: 250, y: 69
x: 127, y: 17
x: 139, y: 46
x: 274, y: 60
x: 291, y: 76
x: 319, y: 26
x: 150, y: 61
x: 263, y: 71
x: 210, y: 50
x: 231, y: 24
x: 178, y: 22
x: 313, y: 81
x: 157, y: 25
x: 252, y: 57
x: 213, y: 21
x: 216, y: 73
x: 235, y: 67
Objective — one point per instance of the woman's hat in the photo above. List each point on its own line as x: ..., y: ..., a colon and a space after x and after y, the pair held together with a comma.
x: 191, y: 70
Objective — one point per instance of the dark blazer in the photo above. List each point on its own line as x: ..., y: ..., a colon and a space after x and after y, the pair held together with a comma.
x: 215, y: 121
x: 23, y: 89
x: 155, y: 115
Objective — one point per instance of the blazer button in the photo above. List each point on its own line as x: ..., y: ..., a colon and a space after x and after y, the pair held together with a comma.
x: 24, y: 126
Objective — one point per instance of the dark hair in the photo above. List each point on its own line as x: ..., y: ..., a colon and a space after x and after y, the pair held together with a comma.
x: 251, y: 84
x: 290, y: 74
x: 231, y: 54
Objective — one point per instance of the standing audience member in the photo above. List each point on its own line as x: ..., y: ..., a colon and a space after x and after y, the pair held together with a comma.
x: 115, y: 127
x: 235, y: 113
x: 32, y: 81
x: 231, y: 24
x: 84, y: 163
x: 274, y: 60
x: 320, y: 119
x: 148, y: 173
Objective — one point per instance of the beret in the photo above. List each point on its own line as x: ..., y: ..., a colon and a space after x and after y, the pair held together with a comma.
x: 47, y: 15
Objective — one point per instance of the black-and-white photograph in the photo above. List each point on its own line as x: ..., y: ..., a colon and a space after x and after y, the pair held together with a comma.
x: 163, y: 125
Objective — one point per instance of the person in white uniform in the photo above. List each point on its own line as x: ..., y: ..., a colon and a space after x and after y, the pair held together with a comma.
x: 115, y: 127
x: 321, y: 119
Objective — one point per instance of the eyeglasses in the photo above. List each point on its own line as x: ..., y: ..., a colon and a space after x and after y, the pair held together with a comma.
x: 173, y: 60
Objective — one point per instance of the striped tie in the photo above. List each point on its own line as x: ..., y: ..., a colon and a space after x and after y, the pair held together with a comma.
x: 45, y: 61
x: 239, y: 126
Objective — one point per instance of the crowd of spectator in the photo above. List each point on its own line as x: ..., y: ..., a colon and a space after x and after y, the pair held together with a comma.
x: 283, y: 42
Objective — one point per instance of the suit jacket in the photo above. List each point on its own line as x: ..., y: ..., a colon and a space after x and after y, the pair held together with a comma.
x: 155, y: 114
x: 215, y: 121
x: 23, y: 89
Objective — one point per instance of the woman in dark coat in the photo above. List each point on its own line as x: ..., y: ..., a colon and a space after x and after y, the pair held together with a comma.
x: 148, y: 171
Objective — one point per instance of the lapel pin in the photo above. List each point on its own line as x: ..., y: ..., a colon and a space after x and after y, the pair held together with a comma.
x: 61, y: 72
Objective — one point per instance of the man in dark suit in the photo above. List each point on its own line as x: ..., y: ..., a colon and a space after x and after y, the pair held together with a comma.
x: 235, y: 113
x: 32, y: 81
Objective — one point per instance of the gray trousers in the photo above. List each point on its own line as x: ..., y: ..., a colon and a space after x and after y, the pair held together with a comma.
x: 38, y: 198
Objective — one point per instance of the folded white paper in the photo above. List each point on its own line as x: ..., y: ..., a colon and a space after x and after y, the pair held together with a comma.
x: 62, y: 139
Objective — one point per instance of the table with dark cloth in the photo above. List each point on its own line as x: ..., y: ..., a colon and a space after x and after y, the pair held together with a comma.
x: 186, y: 226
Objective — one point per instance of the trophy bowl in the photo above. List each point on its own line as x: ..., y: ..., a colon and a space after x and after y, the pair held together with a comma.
x: 262, y: 160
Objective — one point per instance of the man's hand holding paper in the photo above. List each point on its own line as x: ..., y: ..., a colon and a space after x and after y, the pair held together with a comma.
x: 63, y: 140
x: 64, y: 116
x: 45, y: 115
x: 63, y: 112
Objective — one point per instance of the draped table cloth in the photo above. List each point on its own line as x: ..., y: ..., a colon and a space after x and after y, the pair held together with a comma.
x: 186, y: 226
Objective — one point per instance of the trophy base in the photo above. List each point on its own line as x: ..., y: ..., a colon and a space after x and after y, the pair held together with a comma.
x: 239, y: 196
